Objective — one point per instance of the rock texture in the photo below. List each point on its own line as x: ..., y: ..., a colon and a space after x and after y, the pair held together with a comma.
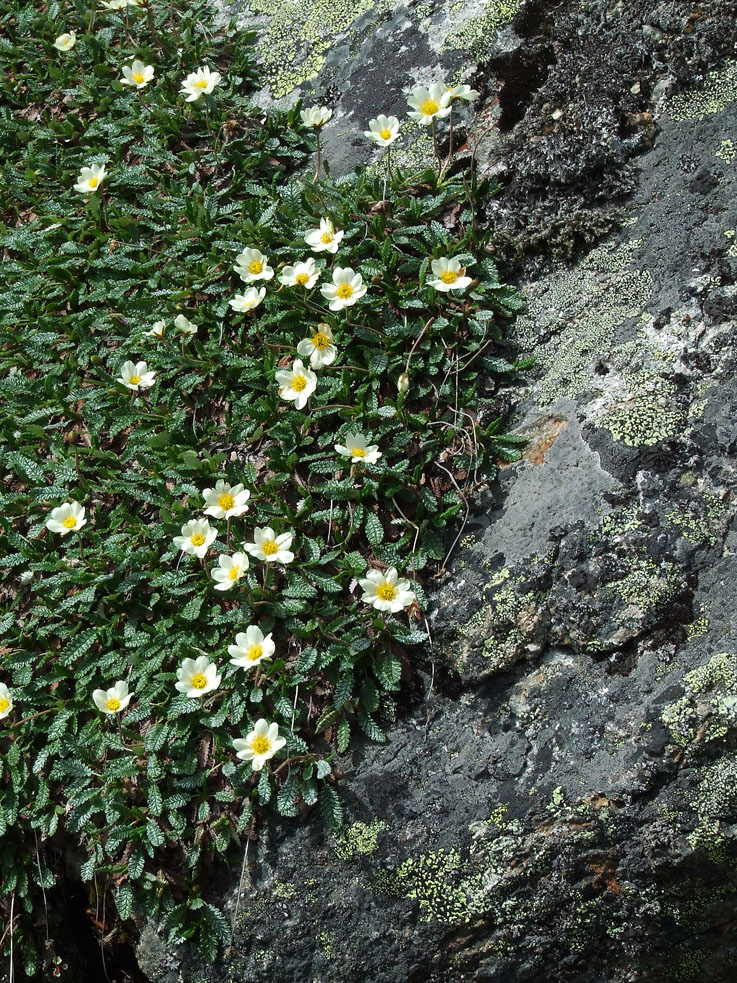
x: 558, y: 801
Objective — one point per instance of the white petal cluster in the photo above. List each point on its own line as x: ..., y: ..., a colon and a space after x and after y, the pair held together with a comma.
x: 196, y: 677
x: 90, y: 179
x: 137, y: 74
x: 197, y: 537
x: 300, y: 275
x: 383, y: 130
x: 185, y: 327
x: 319, y: 347
x: 246, y: 301
x: 296, y: 384
x: 316, y: 116
x: 251, y: 647
x: 65, y: 42
x: 269, y: 547
x: 66, y: 518
x: 448, y: 275
x: 158, y: 330
x: 113, y: 700
x: 429, y: 103
x: 226, y: 500
x: 6, y: 701
x: 262, y: 743
x: 464, y: 92
x: 347, y: 287
x: 199, y: 83
x: 229, y: 570
x: 356, y: 449
x: 136, y: 375
x: 385, y: 591
x: 326, y: 239
x: 251, y: 265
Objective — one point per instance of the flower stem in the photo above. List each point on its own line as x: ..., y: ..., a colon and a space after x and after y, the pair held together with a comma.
x: 435, y: 145
x: 318, y: 163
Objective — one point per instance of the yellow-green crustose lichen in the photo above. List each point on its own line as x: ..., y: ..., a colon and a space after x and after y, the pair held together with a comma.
x: 715, y: 803
x: 708, y: 709
x: 702, y: 528
x: 727, y: 151
x: 732, y: 250
x: 360, y: 839
x: 476, y: 36
x: 709, y: 98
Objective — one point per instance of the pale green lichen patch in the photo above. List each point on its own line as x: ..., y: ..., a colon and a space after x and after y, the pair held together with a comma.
x: 732, y: 250
x: 647, y: 586
x: 715, y: 803
x: 476, y: 35
x: 359, y: 839
x: 702, y: 528
x: 727, y: 151
x: 647, y: 416
x: 708, y: 709
x: 712, y: 96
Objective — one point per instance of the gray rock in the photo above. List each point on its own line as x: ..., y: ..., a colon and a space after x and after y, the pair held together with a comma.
x: 559, y: 801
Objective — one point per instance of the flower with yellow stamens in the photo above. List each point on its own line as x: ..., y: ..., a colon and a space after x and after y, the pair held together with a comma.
x: 429, y: 104
x: 385, y: 591
x: 252, y: 265
x: 300, y: 275
x: 65, y: 42
x: 6, y: 701
x: 383, y: 130
x: 229, y: 571
x: 113, y: 700
x: 196, y: 677
x: 226, y: 500
x: 269, y: 547
x: 449, y: 275
x: 246, y: 301
x: 262, y: 743
x: 66, y: 518
x: 90, y: 179
x: 347, y: 287
x: 199, y: 83
x: 137, y: 74
x: 136, y: 375
x: 319, y: 347
x: 326, y: 239
x: 251, y: 647
x: 197, y: 536
x: 355, y: 448
x: 297, y: 384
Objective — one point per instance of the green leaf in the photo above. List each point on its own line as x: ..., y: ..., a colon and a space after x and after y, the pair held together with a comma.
x: 374, y: 529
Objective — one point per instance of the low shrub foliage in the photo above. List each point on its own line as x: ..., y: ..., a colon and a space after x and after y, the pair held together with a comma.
x: 145, y: 790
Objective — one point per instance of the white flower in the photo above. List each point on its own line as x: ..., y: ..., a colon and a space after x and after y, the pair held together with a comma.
x: 449, y: 275
x: 319, y: 347
x: 316, y: 115
x: 65, y: 42
x: 261, y: 744
x: 248, y: 300
x: 383, y: 130
x: 198, y: 83
x: 90, y: 179
x: 184, y: 326
x: 6, y: 701
x: 271, y: 548
x: 430, y: 104
x: 229, y: 571
x: 120, y: 4
x: 66, y: 518
x: 302, y: 275
x: 225, y: 500
x: 251, y: 647
x: 385, y: 592
x: 197, y: 535
x: 197, y: 677
x: 297, y: 383
x: 113, y: 700
x: 252, y: 265
x: 325, y: 239
x: 355, y: 448
x: 135, y: 376
x: 138, y: 75
x: 347, y: 287
x: 403, y: 383
x: 158, y: 330
x: 464, y: 92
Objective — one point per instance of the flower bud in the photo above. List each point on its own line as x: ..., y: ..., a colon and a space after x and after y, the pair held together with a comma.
x: 403, y: 383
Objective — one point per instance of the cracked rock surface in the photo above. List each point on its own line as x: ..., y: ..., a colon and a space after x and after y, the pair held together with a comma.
x: 558, y: 802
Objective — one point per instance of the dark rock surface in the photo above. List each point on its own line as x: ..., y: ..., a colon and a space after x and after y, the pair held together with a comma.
x: 559, y: 803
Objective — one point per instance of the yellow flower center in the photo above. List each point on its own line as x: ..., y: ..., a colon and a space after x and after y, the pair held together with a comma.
x: 269, y: 547
x: 201, y: 84
x: 358, y: 451
x: 197, y: 539
x: 299, y: 382
x: 256, y: 267
x: 134, y: 380
x: 320, y: 340
x: 385, y: 134
x: 4, y: 704
x: 198, y: 681
x: 113, y: 704
x: 234, y: 572
x: 255, y: 652
x: 429, y: 107
x: 93, y: 182
x: 70, y: 522
x: 326, y: 237
x: 261, y: 744
x: 386, y: 592
x: 302, y: 278
x: 449, y: 276
x: 139, y: 77
x: 345, y: 290
x: 226, y: 501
